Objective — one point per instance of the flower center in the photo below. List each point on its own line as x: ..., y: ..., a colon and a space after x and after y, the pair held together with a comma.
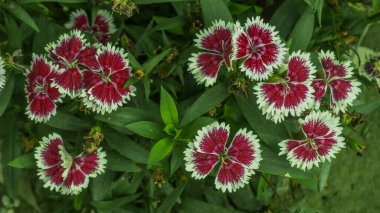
x: 106, y: 79
x: 40, y: 87
x: 312, y: 143
x: 223, y: 156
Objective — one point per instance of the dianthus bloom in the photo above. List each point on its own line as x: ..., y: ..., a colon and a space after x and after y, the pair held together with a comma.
x: 260, y: 47
x: 322, y: 141
x: 2, y: 73
x: 216, y: 43
x: 104, y: 85
x: 41, y: 96
x: 290, y: 95
x: 72, y: 55
x: 102, y: 28
x: 63, y: 173
x: 336, y: 76
x: 236, y: 163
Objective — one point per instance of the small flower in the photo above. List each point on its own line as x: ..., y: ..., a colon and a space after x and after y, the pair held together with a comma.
x: 216, y: 43
x: 41, y: 96
x: 336, y: 76
x: 236, y: 163
x: 63, y: 173
x: 104, y: 86
x: 322, y: 141
x: 70, y: 52
x: 102, y: 28
x: 293, y: 94
x: 2, y: 74
x: 260, y: 46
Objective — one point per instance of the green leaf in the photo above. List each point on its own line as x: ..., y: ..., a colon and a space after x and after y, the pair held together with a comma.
x: 172, y: 198
x: 68, y: 122
x: 60, y: 1
x: 126, y: 146
x: 303, y: 31
x: 209, y: 99
x: 152, y: 63
x: 21, y: 14
x: 196, y: 206
x: 26, y: 161
x: 147, y: 129
x: 367, y: 108
x: 190, y: 130
x: 113, y: 204
x: 324, y: 175
x: 50, y: 33
x: 159, y: 151
x: 6, y: 92
x: 268, y: 132
x: 168, y: 108
x: 284, y: 20
x: 177, y: 158
x: 158, y: 1
x: 213, y: 10
x: 278, y: 165
x: 118, y: 163
x: 126, y: 115
x: 173, y: 25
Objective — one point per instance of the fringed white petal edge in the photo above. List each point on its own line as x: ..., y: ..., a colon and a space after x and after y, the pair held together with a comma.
x: 51, y: 47
x: 232, y: 187
x: 196, y: 70
x: 292, y: 158
x: 190, y: 164
x: 207, y: 32
x: 255, y: 145
x: 331, y: 55
x: 2, y: 74
x: 341, y: 106
x: 102, y: 161
x: 73, y: 16
x: 278, y: 115
x: 43, y: 145
x: 109, y: 19
x: 205, y: 130
x: 305, y: 57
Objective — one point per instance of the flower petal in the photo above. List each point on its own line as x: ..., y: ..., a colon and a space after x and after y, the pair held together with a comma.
x: 320, y: 88
x: 103, y: 26
x: 343, y: 93
x: 212, y: 139
x: 300, y: 153
x: 69, y: 82
x: 205, y: 67
x: 87, y: 57
x: 320, y: 124
x: 333, y: 68
x: 93, y: 163
x: 231, y: 176
x: 245, y: 149
x: 78, y: 20
x: 200, y: 164
x: 49, y: 162
x: 300, y: 68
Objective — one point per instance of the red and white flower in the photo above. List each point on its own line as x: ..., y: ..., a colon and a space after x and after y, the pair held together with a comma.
x: 322, y: 141
x: 70, y: 52
x: 104, y: 85
x: 63, y: 173
x: 2, y: 73
x: 291, y: 95
x: 235, y: 164
x: 336, y: 77
x: 216, y: 45
x: 260, y: 46
x: 41, y: 96
x: 102, y: 28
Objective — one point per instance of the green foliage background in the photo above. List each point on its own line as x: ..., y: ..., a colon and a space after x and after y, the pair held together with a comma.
x: 145, y: 139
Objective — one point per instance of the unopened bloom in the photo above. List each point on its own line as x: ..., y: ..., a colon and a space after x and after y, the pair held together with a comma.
x: 290, y: 95
x: 337, y: 77
x: 216, y: 45
x: 102, y: 28
x: 236, y: 163
x: 63, y: 173
x: 72, y: 55
x: 41, y: 96
x: 260, y: 46
x: 322, y: 141
x: 2, y: 73
x: 104, y: 85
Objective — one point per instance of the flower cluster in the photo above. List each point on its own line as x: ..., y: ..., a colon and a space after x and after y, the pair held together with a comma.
x: 95, y: 73
x: 236, y: 163
x: 102, y: 27
x: 2, y: 73
x: 62, y: 172
x: 289, y: 84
